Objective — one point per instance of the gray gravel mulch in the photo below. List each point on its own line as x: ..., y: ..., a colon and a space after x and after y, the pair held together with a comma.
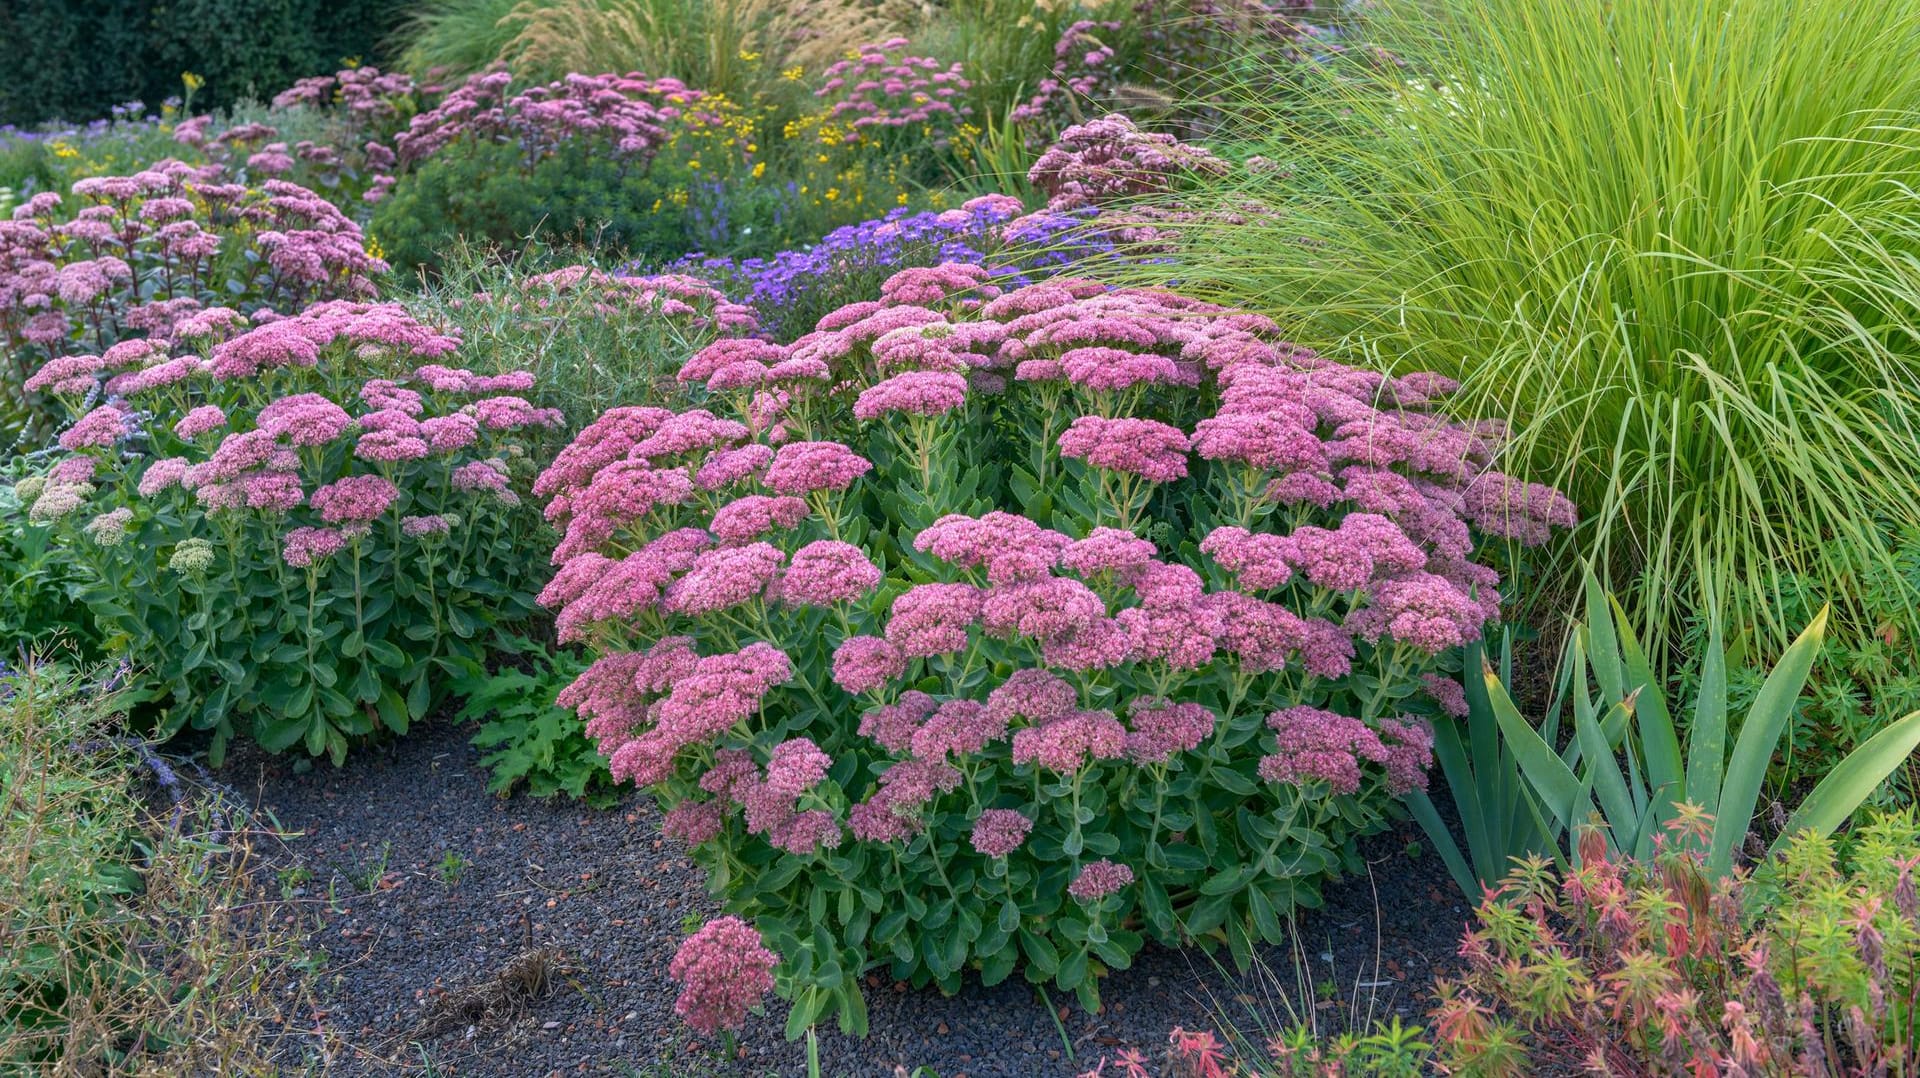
x: 470, y: 935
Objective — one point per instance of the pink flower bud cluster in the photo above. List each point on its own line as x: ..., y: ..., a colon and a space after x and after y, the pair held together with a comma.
x: 1109, y: 159
x: 1098, y: 879
x: 364, y: 91
x: 723, y: 970
x: 1313, y: 745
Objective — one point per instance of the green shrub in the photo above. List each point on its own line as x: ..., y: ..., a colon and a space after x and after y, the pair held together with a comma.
x: 711, y: 175
x: 90, y: 57
x: 1672, y: 244
x: 528, y: 741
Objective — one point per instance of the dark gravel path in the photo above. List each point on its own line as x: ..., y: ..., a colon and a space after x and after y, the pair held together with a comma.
x: 420, y: 887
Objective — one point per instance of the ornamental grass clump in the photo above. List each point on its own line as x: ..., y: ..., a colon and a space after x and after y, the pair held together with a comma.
x: 170, y: 249
x: 1670, y: 243
x: 997, y: 631
x: 586, y: 334
x: 294, y: 528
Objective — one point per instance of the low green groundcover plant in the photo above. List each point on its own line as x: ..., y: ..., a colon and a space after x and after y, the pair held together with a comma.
x: 528, y: 741
x: 1653, y: 966
x: 287, y: 545
x: 1003, y: 632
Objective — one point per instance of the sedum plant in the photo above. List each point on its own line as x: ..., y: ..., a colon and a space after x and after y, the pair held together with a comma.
x: 1654, y: 966
x: 128, y: 257
x: 1004, y: 632
x: 295, y: 530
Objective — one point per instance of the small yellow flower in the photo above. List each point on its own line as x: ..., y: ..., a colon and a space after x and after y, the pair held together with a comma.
x: 374, y: 250
x: 832, y: 193
x: 694, y: 163
x: 793, y: 73
x: 901, y: 198
x: 62, y: 149
x: 193, y: 82
x: 749, y: 57
x: 759, y: 169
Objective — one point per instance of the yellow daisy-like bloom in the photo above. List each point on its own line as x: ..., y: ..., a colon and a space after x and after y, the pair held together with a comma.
x: 759, y: 169
x: 793, y: 73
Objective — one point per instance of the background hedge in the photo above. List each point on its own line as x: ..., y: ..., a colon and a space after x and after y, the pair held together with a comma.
x: 89, y: 55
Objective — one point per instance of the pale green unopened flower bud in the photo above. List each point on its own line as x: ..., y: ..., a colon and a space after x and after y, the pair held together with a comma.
x: 192, y: 557
x: 29, y: 488
x: 57, y: 500
x: 110, y: 528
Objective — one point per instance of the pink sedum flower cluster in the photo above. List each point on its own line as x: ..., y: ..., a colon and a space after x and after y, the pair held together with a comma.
x: 121, y: 281
x: 1040, y: 592
x: 882, y: 86
x: 723, y: 970
x: 346, y: 514
x: 624, y: 113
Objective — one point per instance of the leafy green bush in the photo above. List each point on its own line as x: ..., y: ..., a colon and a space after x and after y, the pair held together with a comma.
x: 528, y: 740
x: 669, y: 170
x: 1672, y: 246
x: 90, y: 57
